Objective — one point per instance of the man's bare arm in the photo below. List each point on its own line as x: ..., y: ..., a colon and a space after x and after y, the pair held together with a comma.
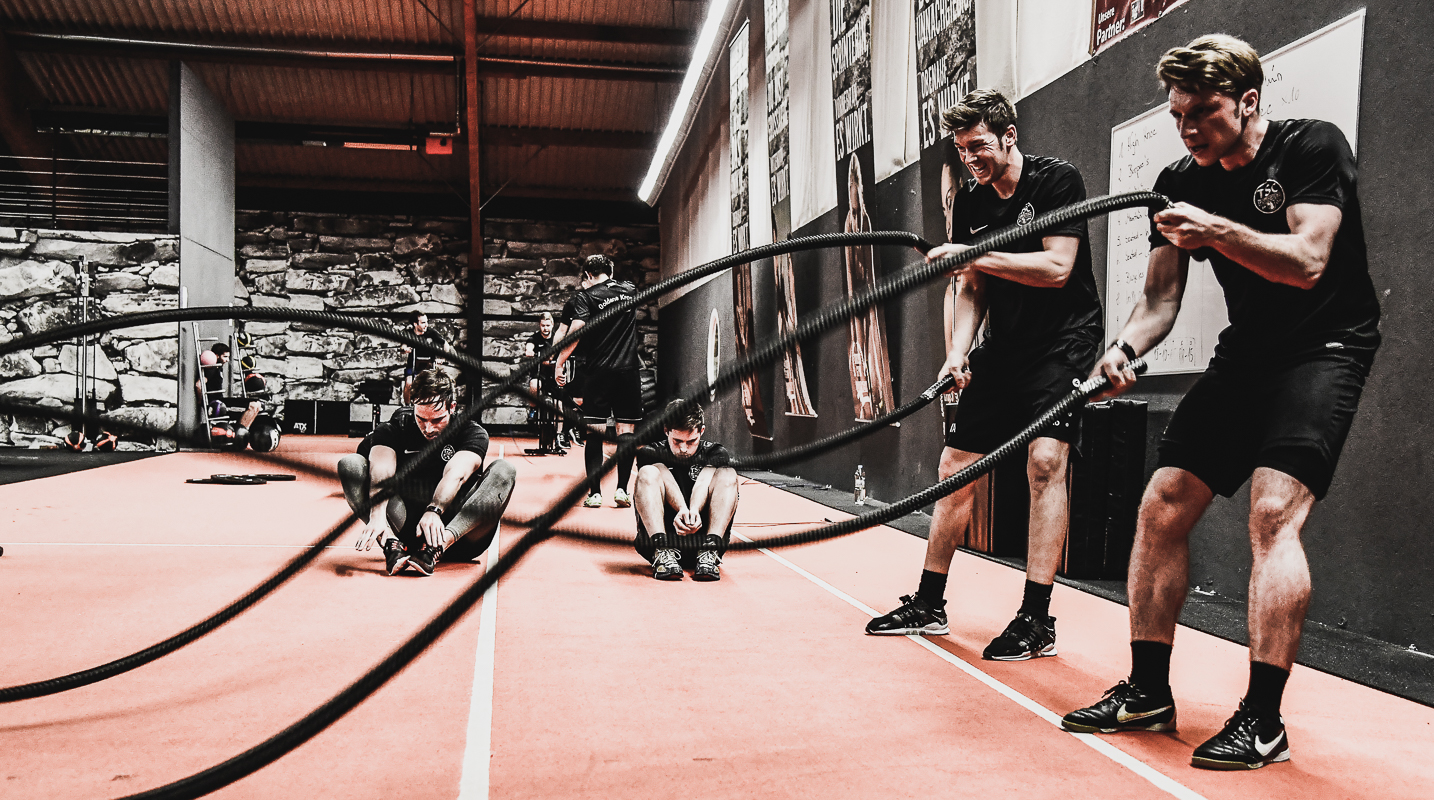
x: 567, y: 352
x: 1153, y: 317
x: 382, y: 465
x: 1047, y: 268
x: 1297, y: 258
x: 463, y: 465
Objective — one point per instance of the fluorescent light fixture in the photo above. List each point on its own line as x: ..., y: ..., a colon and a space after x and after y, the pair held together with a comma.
x: 705, y: 40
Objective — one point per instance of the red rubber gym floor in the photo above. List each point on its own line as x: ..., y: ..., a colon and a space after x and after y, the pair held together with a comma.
x: 580, y: 676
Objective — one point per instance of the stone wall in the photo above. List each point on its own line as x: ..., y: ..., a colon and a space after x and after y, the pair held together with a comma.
x: 134, y: 367
x: 398, y: 264
x: 532, y: 267
x: 346, y: 263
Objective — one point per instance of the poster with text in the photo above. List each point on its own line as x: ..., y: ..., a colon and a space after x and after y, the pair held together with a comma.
x: 742, y: 305
x: 868, y: 359
x: 1116, y: 19
x: 798, y: 397
x: 945, y: 73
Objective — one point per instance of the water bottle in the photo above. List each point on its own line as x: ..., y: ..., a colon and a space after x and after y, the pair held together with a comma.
x: 859, y: 482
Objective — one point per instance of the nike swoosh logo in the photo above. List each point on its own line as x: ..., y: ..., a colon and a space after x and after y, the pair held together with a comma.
x: 411, y: 452
x: 1265, y: 749
x: 978, y: 230
x: 1121, y: 715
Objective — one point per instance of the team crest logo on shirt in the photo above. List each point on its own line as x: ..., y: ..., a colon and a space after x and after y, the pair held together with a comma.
x: 1027, y: 214
x: 447, y: 452
x: 1269, y: 196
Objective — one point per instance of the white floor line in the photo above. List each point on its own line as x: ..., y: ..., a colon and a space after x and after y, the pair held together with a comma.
x: 478, y: 752
x: 1149, y: 773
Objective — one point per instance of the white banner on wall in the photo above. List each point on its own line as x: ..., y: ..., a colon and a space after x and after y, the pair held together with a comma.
x: 1316, y: 77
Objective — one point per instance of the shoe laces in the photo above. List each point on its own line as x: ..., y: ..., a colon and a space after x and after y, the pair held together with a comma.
x: 708, y: 558
x: 665, y: 558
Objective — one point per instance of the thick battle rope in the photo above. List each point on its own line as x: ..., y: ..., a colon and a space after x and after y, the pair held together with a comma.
x: 282, y: 743
x: 816, y: 448
x: 505, y: 383
x: 295, y: 735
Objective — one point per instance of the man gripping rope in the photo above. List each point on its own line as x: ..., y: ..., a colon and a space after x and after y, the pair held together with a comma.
x: 686, y: 489
x: 462, y: 503
x: 612, y: 387
x: 1044, y: 335
x: 1273, y: 206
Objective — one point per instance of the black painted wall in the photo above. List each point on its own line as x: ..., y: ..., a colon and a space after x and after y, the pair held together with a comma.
x: 1368, y: 542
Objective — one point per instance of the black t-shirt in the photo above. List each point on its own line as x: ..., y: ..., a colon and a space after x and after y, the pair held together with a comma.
x: 613, y: 345
x: 1027, y: 322
x: 213, y: 378
x: 541, y: 343
x: 1299, y: 161
x: 709, y: 454
x: 401, y: 433
x: 417, y: 362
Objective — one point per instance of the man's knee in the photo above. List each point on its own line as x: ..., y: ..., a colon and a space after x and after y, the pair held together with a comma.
x: 649, y: 479
x: 1046, y: 467
x: 353, y: 470
x: 724, y: 478
x: 499, y: 479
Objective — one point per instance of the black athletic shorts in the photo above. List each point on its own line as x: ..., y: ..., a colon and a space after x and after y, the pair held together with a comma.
x: 686, y: 546
x: 615, y: 392
x: 1007, y: 395
x: 1293, y: 418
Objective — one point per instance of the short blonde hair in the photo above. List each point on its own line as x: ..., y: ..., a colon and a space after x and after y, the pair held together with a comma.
x: 1216, y: 62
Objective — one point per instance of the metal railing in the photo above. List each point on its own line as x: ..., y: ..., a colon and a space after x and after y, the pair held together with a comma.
x: 84, y: 194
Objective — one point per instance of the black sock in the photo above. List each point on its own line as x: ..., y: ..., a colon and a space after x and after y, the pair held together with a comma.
x: 624, y: 466
x: 1037, y: 600
x: 1150, y: 666
x: 592, y: 457
x: 1267, y: 688
x: 932, y: 588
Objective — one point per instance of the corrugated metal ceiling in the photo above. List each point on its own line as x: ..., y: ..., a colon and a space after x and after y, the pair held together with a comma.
x: 288, y: 94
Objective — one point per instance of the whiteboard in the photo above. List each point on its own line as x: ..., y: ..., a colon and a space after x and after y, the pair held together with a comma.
x: 1316, y: 77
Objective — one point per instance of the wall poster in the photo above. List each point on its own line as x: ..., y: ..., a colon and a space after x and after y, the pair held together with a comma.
x: 798, y: 398
x: 868, y: 358
x: 738, y: 128
x: 945, y: 72
x: 1116, y: 19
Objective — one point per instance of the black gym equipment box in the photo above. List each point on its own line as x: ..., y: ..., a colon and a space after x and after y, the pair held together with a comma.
x: 1107, y: 480
x: 319, y: 417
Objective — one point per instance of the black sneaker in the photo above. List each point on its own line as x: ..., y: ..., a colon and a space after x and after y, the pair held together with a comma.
x: 708, y: 566
x: 1125, y: 707
x: 914, y: 616
x: 395, y: 555
x: 666, y: 565
x: 1025, y: 638
x: 425, y: 559
x: 1248, y: 741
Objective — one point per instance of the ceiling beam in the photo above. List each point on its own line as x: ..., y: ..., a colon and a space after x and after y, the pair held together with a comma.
x: 354, y: 58
x: 513, y: 136
x: 495, y: 27
x: 105, y: 123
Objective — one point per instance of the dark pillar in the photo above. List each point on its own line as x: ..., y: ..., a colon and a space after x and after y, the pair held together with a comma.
x: 473, y: 102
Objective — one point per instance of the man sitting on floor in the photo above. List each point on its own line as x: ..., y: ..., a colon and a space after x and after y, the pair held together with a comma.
x: 462, y: 502
x: 679, y: 479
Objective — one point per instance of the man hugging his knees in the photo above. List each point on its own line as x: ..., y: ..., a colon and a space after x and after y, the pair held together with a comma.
x: 449, y: 507
x: 686, y: 498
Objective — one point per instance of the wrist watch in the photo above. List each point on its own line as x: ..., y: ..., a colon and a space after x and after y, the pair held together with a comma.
x: 434, y: 508
x: 1125, y: 347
